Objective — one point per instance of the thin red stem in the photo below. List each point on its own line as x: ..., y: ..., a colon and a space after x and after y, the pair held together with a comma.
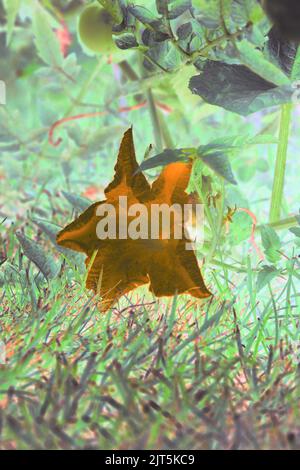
x: 124, y: 109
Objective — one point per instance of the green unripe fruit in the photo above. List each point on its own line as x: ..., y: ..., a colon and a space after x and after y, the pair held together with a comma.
x: 95, y: 29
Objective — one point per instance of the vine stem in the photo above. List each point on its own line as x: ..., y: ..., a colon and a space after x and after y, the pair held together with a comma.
x: 86, y: 86
x: 280, y: 167
x: 155, y: 121
x: 218, y: 228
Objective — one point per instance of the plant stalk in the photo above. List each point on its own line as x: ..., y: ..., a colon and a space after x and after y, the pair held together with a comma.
x: 155, y: 122
x: 283, y: 224
x: 280, y: 167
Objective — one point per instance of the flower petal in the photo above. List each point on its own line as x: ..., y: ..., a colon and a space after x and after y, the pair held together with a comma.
x: 176, y: 271
x: 126, y: 179
x: 80, y: 235
x: 117, y: 269
x: 171, y: 184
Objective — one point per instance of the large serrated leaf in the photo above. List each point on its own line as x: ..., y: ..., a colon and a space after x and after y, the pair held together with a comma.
x: 12, y: 9
x: 46, y: 42
x: 255, y: 60
x: 238, y: 89
x: 43, y: 261
x: 213, y: 156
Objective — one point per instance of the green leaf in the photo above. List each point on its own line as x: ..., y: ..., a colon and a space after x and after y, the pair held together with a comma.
x: 238, y: 89
x: 12, y: 8
x: 173, y: 8
x: 282, y: 51
x: 240, y: 141
x: 295, y: 231
x: 263, y: 139
x: 126, y: 41
x: 210, y: 12
x: 145, y: 16
x: 172, y: 60
x: 165, y: 54
x: 271, y: 243
x: 166, y: 157
x: 257, y: 63
x: 37, y: 255
x: 178, y: 7
x: 265, y: 276
x: 46, y: 42
x: 184, y: 31
x: 216, y: 158
x: 295, y: 76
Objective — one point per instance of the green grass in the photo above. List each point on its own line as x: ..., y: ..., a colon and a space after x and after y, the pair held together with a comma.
x: 173, y: 374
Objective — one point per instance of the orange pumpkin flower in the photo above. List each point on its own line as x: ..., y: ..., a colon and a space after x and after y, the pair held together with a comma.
x: 117, y: 266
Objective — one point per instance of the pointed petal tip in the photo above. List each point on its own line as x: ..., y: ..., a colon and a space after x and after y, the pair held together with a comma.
x: 60, y: 237
x: 128, y: 133
x: 63, y: 236
x: 129, y: 130
x: 200, y: 292
x: 64, y: 239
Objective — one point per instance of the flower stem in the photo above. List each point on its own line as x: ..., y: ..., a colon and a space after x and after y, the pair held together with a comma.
x: 278, y: 182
